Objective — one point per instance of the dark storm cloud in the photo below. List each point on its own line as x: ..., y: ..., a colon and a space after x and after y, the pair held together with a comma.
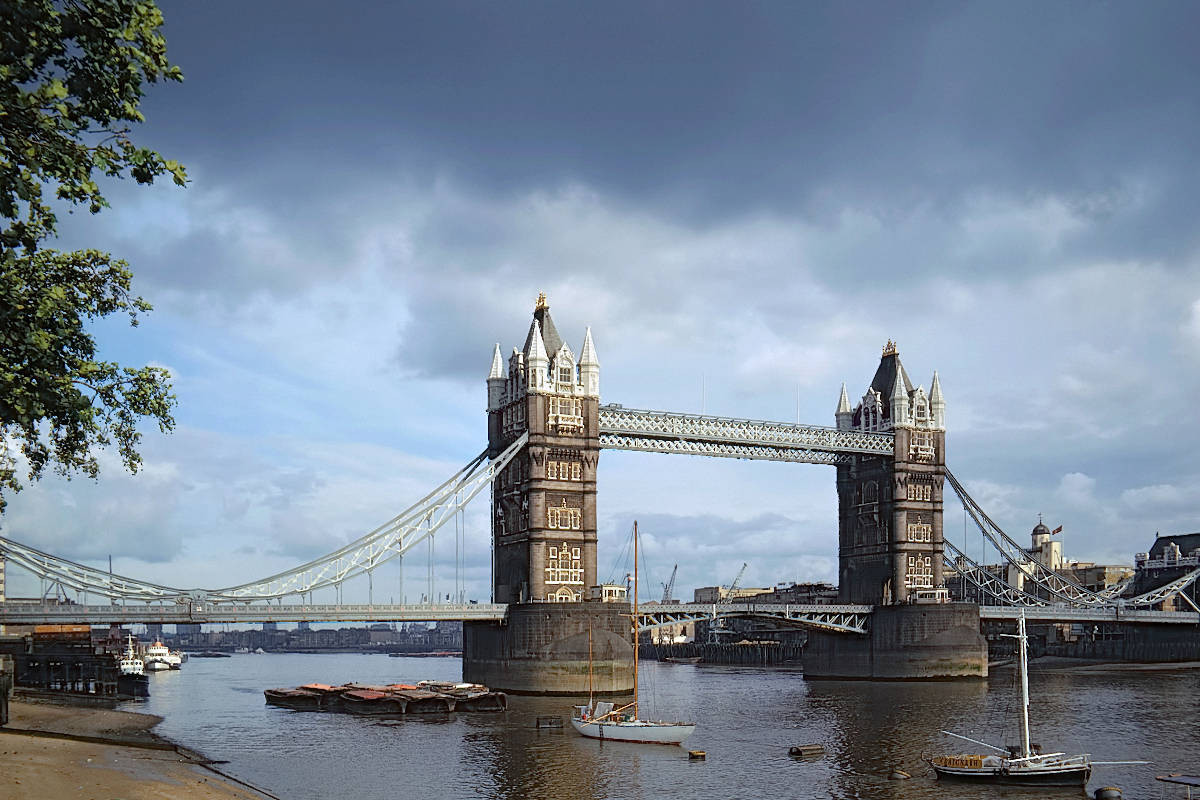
x: 697, y: 108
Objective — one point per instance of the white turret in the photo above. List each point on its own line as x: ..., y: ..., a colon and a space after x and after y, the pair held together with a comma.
x: 589, y: 367
x: 537, y: 364
x: 900, y: 415
x: 937, y: 405
x: 844, y: 415
x: 496, y: 380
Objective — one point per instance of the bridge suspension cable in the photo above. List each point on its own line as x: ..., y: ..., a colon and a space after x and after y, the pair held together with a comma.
x: 390, y: 540
x: 1053, y: 583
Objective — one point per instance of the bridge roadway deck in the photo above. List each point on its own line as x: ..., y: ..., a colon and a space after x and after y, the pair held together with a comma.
x: 33, y: 614
x: 846, y: 618
x: 1065, y: 614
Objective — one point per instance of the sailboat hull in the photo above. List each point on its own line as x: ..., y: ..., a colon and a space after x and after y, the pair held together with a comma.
x: 635, y: 731
x: 1072, y: 775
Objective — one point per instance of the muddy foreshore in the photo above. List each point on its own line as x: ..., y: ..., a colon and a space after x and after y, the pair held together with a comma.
x: 54, y: 750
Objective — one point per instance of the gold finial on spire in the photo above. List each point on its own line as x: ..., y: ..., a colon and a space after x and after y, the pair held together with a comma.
x: 889, y: 349
x: 541, y: 302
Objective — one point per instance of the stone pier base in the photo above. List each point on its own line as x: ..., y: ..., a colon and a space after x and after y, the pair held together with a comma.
x: 912, y: 642
x: 542, y: 648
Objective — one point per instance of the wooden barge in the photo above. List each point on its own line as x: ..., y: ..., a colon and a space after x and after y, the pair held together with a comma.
x: 426, y: 697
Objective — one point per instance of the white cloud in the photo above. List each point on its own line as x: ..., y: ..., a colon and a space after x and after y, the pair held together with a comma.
x: 1077, y: 490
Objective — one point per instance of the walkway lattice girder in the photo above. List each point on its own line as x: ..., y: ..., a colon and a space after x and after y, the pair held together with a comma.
x: 697, y: 434
x: 837, y: 618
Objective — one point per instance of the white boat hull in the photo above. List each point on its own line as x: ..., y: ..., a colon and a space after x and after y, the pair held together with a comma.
x: 635, y: 731
x: 156, y: 665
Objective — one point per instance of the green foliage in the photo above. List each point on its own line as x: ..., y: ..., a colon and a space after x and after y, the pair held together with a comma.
x: 72, y: 74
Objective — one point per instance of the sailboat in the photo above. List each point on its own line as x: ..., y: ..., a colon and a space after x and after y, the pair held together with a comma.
x: 605, y: 720
x: 1024, y: 764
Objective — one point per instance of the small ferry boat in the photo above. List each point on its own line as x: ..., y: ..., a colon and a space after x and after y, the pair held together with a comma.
x: 603, y: 720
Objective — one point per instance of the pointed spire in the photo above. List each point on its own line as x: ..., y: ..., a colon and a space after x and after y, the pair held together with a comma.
x: 537, y: 347
x: 937, y: 404
x: 589, y: 366
x: 587, y: 356
x: 536, y: 360
x: 497, y: 364
x: 496, y: 381
x: 844, y: 415
x: 899, y: 401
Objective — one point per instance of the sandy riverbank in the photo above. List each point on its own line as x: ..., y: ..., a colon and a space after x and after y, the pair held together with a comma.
x: 50, y: 751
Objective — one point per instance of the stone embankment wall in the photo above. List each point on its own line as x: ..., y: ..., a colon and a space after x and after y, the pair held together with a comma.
x: 766, y: 654
x: 1141, y: 643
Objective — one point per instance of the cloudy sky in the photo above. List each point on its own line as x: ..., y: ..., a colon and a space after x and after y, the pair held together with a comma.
x: 750, y: 198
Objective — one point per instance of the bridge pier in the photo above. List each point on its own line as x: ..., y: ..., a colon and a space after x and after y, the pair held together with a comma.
x: 910, y: 642
x: 543, y: 648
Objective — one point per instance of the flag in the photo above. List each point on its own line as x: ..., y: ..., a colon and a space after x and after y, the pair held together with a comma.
x: 1056, y: 530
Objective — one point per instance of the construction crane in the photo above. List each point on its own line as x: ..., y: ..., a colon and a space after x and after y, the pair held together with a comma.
x: 733, y: 586
x: 669, y: 586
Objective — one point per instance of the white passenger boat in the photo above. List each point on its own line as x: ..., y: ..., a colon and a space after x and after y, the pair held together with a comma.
x: 605, y: 721
x: 158, y: 657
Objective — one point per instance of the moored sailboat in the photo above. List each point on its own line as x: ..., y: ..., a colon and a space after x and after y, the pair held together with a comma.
x: 604, y: 720
x: 1023, y: 764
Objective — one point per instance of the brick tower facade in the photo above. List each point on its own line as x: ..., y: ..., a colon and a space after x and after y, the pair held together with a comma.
x: 544, y: 502
x: 890, y: 509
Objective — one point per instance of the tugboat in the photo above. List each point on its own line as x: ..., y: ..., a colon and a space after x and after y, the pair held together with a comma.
x: 131, y: 678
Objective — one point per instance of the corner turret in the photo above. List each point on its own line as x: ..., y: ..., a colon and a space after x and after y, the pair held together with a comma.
x: 589, y: 367
x: 937, y: 405
x: 496, y: 380
x: 844, y: 415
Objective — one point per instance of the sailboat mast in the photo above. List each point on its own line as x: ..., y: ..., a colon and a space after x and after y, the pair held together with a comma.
x: 635, y: 620
x: 591, y: 698
x: 1021, y: 644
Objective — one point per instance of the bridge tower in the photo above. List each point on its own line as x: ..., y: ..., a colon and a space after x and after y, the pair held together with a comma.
x: 890, y: 544
x: 890, y: 509
x: 544, y: 502
x: 544, y: 526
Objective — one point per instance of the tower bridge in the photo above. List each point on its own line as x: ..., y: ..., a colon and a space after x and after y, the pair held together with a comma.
x: 546, y: 428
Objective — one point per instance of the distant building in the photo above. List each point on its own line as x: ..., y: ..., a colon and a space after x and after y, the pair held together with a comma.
x: 721, y: 594
x: 1169, y: 558
x: 1047, y: 551
x: 804, y: 594
x: 609, y: 593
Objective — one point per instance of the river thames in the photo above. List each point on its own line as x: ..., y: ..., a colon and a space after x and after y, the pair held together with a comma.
x: 747, y: 718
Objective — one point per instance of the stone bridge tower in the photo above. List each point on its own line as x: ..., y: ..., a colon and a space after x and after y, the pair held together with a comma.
x: 544, y: 502
x: 890, y: 509
x: 890, y: 544
x: 553, y: 640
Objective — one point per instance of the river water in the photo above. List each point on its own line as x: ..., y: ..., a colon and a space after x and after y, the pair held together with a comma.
x: 748, y: 718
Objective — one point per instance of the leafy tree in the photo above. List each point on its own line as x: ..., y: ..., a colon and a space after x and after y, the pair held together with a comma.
x: 72, y: 75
